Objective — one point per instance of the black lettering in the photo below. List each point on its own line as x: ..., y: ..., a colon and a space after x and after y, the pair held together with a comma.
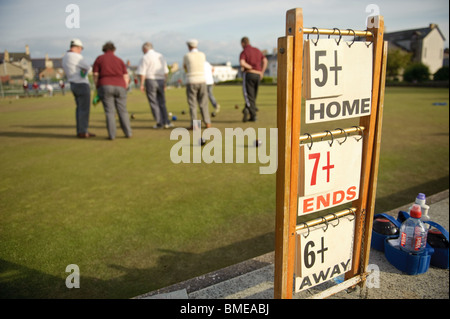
x: 346, y: 107
x: 313, y: 111
x: 338, y: 109
x: 365, y: 105
x: 321, y: 275
x: 305, y: 282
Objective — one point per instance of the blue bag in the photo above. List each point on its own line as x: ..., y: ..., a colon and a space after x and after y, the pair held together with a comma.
x: 378, y: 238
x: 410, y: 263
x: 440, y: 257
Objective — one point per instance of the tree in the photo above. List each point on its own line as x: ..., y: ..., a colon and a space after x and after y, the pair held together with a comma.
x: 396, y: 62
x: 416, y: 72
x: 441, y: 74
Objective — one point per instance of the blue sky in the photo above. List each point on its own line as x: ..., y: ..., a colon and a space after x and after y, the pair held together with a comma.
x: 218, y: 25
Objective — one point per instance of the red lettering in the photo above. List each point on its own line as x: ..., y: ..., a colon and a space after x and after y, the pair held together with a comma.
x: 351, y: 192
x: 342, y: 196
x: 323, y: 201
x: 308, y: 205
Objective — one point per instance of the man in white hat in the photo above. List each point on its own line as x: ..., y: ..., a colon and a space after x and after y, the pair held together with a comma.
x: 194, y: 65
x: 76, y: 69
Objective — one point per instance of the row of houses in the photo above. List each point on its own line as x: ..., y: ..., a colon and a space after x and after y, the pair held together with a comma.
x: 426, y: 45
x: 15, y: 67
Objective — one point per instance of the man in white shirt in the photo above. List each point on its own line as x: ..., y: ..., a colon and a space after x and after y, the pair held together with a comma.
x: 194, y: 65
x: 210, y: 86
x: 153, y: 73
x: 76, y: 69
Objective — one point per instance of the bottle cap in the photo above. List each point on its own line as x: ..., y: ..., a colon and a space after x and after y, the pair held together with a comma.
x: 421, y: 196
x: 415, y: 211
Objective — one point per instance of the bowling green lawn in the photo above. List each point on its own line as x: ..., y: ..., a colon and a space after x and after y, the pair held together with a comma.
x: 134, y: 221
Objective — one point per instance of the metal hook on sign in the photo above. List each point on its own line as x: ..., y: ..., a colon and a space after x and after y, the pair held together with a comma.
x: 326, y: 223
x: 353, y: 213
x: 343, y: 131
x: 332, y: 137
x: 362, y: 132
x: 310, y: 137
x: 354, y: 37
x: 308, y: 230
x: 333, y: 32
x: 340, y: 35
x: 337, y: 218
x: 367, y: 43
x: 318, y: 34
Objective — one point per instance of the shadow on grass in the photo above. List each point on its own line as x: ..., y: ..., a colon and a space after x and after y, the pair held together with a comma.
x: 406, y: 196
x: 37, y: 135
x: 20, y: 282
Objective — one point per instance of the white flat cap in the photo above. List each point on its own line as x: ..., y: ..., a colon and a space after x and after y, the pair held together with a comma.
x: 192, y: 43
x: 76, y: 42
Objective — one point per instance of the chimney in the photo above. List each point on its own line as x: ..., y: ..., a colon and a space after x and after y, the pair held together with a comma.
x: 27, y: 50
x: 6, y: 56
x: 433, y: 25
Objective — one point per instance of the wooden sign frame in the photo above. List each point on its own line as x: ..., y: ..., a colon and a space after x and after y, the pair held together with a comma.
x: 289, y: 104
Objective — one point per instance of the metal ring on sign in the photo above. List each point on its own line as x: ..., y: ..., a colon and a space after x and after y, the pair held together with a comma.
x: 353, y: 213
x: 354, y: 37
x: 362, y: 132
x: 326, y: 223
x: 310, y: 146
x: 343, y: 131
x: 367, y: 43
x: 332, y: 137
x: 333, y: 32
x: 337, y: 218
x: 308, y: 230
x: 340, y: 35
x: 318, y: 34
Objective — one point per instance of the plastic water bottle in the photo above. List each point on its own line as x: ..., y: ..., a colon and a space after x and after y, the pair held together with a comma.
x: 421, y: 201
x: 413, y: 233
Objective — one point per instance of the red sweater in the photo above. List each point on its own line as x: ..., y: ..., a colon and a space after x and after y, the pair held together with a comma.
x: 110, y: 70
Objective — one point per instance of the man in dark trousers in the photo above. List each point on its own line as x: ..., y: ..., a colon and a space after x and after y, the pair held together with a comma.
x: 253, y: 65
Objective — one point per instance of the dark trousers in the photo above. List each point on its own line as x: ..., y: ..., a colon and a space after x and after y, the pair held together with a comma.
x: 250, y: 83
x: 82, y: 94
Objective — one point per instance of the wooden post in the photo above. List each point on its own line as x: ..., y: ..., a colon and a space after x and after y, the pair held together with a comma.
x: 290, y: 53
x: 375, y: 163
x: 365, y: 212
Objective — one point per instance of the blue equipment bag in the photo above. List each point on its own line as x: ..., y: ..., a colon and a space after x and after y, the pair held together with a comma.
x: 440, y: 257
x: 410, y: 263
x: 378, y: 238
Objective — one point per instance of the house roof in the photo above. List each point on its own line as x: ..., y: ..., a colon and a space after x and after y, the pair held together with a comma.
x: 39, y: 63
x: 15, y: 56
x: 403, y: 39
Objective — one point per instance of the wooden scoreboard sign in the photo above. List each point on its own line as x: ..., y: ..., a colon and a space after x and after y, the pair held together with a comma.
x: 328, y: 174
x: 319, y: 171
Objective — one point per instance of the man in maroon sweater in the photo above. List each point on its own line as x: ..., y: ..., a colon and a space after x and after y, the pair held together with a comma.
x: 111, y: 79
x: 253, y: 65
